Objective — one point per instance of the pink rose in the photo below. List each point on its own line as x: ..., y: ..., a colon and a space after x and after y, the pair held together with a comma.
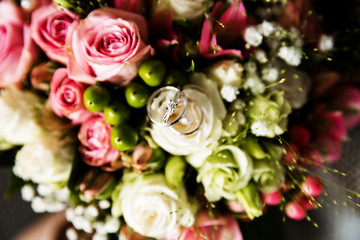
x: 49, y: 27
x: 206, y: 227
x: 96, y: 148
x: 108, y: 45
x: 66, y: 97
x: 17, y: 50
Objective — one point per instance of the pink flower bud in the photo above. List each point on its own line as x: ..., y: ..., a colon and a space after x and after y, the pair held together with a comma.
x: 94, y: 182
x: 305, y: 202
x: 273, y: 198
x: 300, y: 135
x: 236, y: 206
x: 312, y: 186
x: 141, y: 156
x: 294, y: 211
x: 41, y: 75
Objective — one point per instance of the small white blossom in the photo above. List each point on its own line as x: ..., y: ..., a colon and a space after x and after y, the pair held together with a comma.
x: 27, y: 193
x: 91, y: 212
x: 292, y: 55
x: 260, y: 55
x: 265, y: 129
x: 71, y: 234
x: 229, y: 93
x: 100, y: 227
x: 250, y: 67
x: 254, y: 83
x: 79, y: 210
x: 70, y: 214
x: 270, y: 74
x: 98, y: 236
x: 112, y: 224
x: 44, y: 190
x: 266, y: 28
x: 253, y: 37
x: 104, y: 204
x: 38, y: 205
x: 326, y: 43
x: 62, y: 195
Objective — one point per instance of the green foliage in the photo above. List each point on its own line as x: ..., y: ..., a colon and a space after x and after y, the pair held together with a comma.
x: 82, y: 7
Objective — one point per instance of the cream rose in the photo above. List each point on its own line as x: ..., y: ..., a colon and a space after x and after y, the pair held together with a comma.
x: 189, y: 9
x: 204, y: 138
x: 18, y: 117
x: 46, y: 160
x: 150, y: 207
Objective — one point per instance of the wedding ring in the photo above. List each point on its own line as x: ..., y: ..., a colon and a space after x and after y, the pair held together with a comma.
x: 170, y: 107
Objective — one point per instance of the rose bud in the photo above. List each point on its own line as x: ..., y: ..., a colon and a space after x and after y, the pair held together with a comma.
x: 312, y: 186
x: 42, y: 74
x: 97, y: 184
x: 141, y: 156
x: 294, y: 211
x: 305, y: 202
x: 273, y: 198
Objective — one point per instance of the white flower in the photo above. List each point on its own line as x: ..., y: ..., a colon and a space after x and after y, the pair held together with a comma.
x: 27, y: 192
x: 189, y: 9
x: 151, y: 208
x: 266, y: 28
x: 229, y: 93
x: 250, y: 67
x: 18, y: 117
x: 45, y: 160
x: 71, y: 234
x: 270, y: 74
x: 326, y: 43
x: 292, y: 55
x: 253, y: 37
x: 260, y: 55
x: 265, y: 128
x: 224, y: 172
x: 253, y: 82
x: 226, y: 72
x: 205, y: 137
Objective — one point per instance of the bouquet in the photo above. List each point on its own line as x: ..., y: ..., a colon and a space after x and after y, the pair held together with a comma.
x: 173, y: 119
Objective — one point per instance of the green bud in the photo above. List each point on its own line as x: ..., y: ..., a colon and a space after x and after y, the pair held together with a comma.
x: 249, y: 197
x: 254, y: 149
x: 175, y: 171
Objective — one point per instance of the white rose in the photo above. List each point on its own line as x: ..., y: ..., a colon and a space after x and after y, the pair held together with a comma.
x: 224, y: 172
x: 18, y: 121
x: 205, y: 137
x: 189, y: 9
x: 150, y: 207
x: 46, y: 160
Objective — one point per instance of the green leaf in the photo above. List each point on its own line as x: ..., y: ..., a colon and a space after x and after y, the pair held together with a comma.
x: 15, y: 186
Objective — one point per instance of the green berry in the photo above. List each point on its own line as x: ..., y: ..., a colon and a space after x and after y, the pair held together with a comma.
x: 152, y: 72
x: 116, y: 113
x: 123, y: 137
x: 96, y: 98
x: 136, y: 95
x: 175, y: 78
